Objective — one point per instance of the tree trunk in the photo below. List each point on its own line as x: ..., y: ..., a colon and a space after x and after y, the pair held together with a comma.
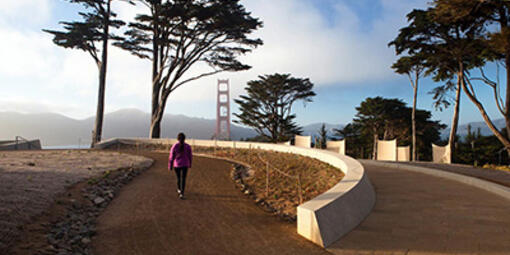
x: 374, y: 152
x: 507, y: 98
x: 504, y: 140
x: 413, y: 117
x: 155, y: 129
x: 455, y: 118
x: 98, y: 126
x: 503, y: 22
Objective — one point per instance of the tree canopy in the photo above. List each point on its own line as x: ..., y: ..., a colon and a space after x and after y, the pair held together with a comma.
x: 92, y: 35
x: 267, y: 107
x: 179, y: 34
x: 387, y: 119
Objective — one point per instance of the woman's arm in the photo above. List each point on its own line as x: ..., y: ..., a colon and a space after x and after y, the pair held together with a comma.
x: 171, y: 158
x: 190, y: 156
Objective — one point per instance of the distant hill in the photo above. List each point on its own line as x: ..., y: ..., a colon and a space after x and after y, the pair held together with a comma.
x: 484, y: 130
x: 313, y: 129
x: 55, y: 129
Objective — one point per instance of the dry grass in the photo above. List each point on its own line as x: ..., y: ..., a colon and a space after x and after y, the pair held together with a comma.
x: 497, y: 167
x: 316, y: 176
x: 30, y: 181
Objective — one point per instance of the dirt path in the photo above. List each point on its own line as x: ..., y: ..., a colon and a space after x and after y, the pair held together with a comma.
x: 148, y: 218
x: 422, y: 214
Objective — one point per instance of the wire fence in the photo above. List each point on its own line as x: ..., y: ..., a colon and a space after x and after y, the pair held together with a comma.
x: 270, y: 169
x: 296, y: 177
x: 253, y: 155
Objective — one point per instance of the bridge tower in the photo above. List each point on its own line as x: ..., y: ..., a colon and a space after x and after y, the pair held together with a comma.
x: 223, y: 111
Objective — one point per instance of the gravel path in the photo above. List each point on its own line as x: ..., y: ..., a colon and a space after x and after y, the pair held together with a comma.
x: 30, y: 181
x: 148, y: 218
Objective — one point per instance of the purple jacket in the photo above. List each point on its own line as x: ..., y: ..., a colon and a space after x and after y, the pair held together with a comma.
x: 180, y: 159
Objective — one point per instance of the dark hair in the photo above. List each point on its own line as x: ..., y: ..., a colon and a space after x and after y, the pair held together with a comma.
x: 181, y: 137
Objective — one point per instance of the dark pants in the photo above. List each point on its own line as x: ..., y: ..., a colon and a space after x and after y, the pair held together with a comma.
x: 181, y: 172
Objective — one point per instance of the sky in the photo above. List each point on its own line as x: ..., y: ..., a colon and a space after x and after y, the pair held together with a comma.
x: 340, y: 45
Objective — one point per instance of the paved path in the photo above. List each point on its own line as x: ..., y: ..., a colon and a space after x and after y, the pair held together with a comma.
x: 147, y: 217
x: 421, y: 214
x: 414, y: 214
x: 497, y: 176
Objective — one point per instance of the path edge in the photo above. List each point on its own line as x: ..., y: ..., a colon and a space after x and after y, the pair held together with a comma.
x: 322, y: 220
x: 491, y: 187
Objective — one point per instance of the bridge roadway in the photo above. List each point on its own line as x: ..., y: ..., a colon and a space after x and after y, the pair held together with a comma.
x: 414, y: 214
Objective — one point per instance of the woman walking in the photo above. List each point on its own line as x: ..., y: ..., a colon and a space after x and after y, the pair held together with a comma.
x: 180, y: 160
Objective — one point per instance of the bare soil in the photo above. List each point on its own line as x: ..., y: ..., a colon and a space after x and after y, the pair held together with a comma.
x: 315, y: 176
x: 30, y: 182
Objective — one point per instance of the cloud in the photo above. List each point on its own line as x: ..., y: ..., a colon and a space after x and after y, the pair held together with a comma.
x: 26, y: 105
x: 30, y: 11
x: 298, y: 39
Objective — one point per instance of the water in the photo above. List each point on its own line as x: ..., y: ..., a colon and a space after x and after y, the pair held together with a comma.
x: 66, y: 147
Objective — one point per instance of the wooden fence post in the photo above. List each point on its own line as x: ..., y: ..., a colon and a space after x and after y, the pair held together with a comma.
x: 299, y: 189
x: 267, y: 179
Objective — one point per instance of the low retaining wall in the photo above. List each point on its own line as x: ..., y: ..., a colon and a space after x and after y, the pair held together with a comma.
x: 492, y: 187
x: 324, y: 219
x: 20, y: 145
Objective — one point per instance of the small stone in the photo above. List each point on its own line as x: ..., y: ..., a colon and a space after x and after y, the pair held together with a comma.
x: 85, y: 240
x: 98, y: 200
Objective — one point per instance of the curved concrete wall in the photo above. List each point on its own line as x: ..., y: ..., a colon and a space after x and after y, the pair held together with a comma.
x: 441, y: 154
x: 303, y: 141
x: 404, y: 153
x: 336, y: 146
x: 324, y: 219
x: 387, y: 150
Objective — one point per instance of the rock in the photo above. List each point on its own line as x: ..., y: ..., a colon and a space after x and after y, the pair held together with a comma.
x: 98, y: 200
x: 85, y: 240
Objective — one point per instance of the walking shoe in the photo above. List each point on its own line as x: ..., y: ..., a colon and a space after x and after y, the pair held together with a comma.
x: 181, y: 196
x: 179, y: 191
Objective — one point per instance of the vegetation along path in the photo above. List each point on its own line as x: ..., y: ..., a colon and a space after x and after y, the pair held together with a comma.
x: 148, y: 218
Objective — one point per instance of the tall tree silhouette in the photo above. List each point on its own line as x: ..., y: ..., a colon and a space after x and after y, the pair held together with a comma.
x: 268, y: 106
x: 494, y: 16
x: 92, y: 35
x: 179, y: 34
x: 413, y: 67
x: 449, y: 49
x: 322, y: 138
